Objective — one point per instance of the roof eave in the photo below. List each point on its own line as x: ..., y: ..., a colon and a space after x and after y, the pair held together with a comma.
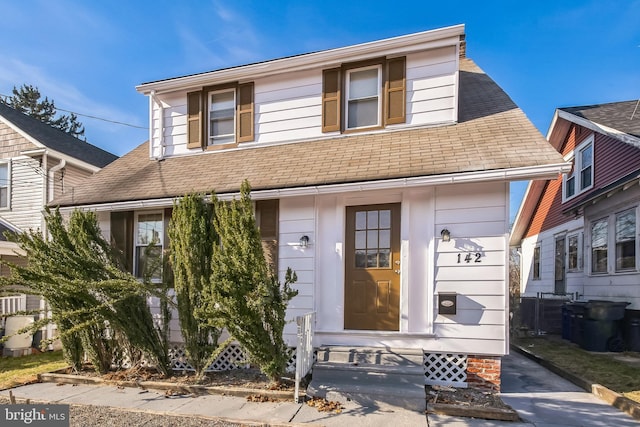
x: 547, y: 171
x: 597, y: 127
x: 448, y: 36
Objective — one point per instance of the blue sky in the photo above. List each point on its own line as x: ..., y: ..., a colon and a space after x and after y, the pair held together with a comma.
x: 89, y: 55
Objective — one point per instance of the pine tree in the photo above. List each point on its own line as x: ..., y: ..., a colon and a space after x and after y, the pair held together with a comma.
x: 192, y: 239
x: 244, y: 292
x: 27, y: 100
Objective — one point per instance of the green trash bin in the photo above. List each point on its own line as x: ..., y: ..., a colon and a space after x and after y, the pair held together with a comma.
x: 599, y: 335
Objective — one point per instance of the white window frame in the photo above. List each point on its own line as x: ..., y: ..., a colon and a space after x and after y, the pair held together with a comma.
x: 579, y: 249
x: 8, y: 185
x: 137, y: 245
x: 615, y: 241
x: 578, y: 167
x: 211, y: 139
x: 378, y: 95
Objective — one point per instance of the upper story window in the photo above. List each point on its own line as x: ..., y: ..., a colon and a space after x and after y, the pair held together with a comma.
x: 222, y: 108
x: 365, y: 95
x: 219, y: 116
x: 581, y: 177
x: 5, y: 185
x: 148, y: 245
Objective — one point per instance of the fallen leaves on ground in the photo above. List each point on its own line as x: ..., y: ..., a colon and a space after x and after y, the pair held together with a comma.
x: 260, y: 398
x: 324, y: 405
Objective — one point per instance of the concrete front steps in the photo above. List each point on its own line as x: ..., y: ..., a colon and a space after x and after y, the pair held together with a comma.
x: 370, y: 376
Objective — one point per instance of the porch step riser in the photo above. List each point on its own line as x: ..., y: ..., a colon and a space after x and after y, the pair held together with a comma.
x: 353, y: 356
x: 369, y: 395
x: 331, y: 376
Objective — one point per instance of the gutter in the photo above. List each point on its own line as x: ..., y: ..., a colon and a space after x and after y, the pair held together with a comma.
x: 517, y: 174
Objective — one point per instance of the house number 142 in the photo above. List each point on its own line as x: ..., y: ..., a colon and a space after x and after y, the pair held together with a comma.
x: 469, y: 257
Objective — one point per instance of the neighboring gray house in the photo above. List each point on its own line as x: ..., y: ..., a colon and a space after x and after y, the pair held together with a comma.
x: 37, y: 163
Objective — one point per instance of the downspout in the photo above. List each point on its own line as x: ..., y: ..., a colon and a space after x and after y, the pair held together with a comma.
x: 45, y: 191
x: 51, y: 175
x: 154, y: 100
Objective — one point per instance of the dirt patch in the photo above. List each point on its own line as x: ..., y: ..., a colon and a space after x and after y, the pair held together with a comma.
x: 464, y: 397
x: 249, y: 378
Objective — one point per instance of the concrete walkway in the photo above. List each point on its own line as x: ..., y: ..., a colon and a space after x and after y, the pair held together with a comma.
x: 541, y: 398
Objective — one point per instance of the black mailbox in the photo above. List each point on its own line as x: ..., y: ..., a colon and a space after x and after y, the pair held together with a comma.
x: 447, y: 303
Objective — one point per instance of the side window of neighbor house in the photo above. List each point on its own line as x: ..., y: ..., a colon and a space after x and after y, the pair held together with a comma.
x: 573, y: 253
x: 148, y: 245
x: 536, y: 263
x: 580, y: 178
x: 599, y: 237
x: 5, y: 185
x: 626, y: 240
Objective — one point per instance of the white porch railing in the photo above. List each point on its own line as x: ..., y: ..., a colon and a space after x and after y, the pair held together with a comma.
x: 304, y: 349
x: 10, y: 305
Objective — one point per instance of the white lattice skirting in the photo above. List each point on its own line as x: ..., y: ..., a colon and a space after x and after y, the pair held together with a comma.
x: 232, y: 357
x: 445, y: 369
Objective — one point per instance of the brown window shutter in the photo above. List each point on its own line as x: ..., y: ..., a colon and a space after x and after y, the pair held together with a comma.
x: 245, y: 113
x: 194, y: 120
x: 395, y: 91
x: 331, y: 100
x: 267, y: 213
x: 122, y: 236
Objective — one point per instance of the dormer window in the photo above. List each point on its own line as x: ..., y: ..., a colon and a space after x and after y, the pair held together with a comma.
x: 222, y: 106
x: 580, y: 179
x: 220, y: 116
x: 363, y: 97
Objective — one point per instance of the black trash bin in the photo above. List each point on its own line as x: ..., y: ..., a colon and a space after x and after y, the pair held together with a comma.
x: 577, y: 321
x: 602, y: 330
x: 632, y: 334
x: 566, y: 321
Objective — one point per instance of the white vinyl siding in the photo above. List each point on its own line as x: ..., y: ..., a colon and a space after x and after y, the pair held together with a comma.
x: 288, y: 105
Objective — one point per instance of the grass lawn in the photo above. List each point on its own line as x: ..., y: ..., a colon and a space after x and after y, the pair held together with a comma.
x: 15, y: 371
x: 595, y: 368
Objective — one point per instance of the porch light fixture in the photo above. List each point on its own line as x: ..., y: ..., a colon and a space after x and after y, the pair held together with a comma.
x: 446, y: 236
x: 304, y: 241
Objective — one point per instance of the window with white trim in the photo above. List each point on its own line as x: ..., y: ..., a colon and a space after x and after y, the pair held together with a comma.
x: 148, y: 245
x: 5, y: 185
x: 599, y: 245
x: 580, y: 179
x: 626, y: 240
x: 574, y: 252
x: 536, y: 263
x: 222, y: 124
x: 364, y: 97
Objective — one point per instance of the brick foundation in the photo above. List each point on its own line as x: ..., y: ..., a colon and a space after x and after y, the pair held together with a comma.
x: 483, y: 372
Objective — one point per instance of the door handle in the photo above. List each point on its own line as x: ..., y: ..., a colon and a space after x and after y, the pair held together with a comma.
x: 397, y: 271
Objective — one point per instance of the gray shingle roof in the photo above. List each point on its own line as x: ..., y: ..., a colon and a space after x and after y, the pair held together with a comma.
x: 492, y: 133
x: 623, y: 116
x: 56, y: 139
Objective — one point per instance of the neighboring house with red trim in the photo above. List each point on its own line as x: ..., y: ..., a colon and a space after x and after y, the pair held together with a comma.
x: 37, y: 164
x: 372, y: 153
x: 578, y: 233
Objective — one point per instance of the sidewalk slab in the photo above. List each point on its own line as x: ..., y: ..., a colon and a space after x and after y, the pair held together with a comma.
x: 361, y: 416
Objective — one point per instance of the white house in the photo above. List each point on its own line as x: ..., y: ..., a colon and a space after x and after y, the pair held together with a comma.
x: 372, y: 152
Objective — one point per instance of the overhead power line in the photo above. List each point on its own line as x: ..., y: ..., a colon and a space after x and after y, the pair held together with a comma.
x: 6, y: 97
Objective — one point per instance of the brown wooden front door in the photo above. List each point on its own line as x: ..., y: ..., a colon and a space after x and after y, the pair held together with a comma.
x: 372, y: 271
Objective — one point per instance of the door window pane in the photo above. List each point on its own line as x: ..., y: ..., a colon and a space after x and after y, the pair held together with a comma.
x: 372, y: 241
